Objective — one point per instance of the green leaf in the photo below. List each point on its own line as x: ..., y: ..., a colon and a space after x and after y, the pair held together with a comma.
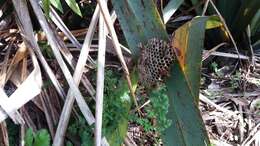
x: 228, y: 9
x: 42, y: 138
x: 29, y: 137
x: 116, y: 134
x: 213, y: 22
x: 74, y: 6
x: 170, y: 9
x: 188, y: 43
x: 255, y: 24
x: 140, y: 21
x: 183, y: 87
x: 46, y: 7
x: 57, y: 5
x: 244, y: 16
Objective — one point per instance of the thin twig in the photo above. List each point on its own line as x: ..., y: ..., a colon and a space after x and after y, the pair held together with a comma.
x: 230, y: 55
x: 206, y: 100
x: 208, y: 53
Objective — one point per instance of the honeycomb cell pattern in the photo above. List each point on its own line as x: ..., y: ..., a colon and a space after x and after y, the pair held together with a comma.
x: 154, y: 62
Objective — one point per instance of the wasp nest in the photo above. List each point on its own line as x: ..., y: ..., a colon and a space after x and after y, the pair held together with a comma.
x: 154, y: 62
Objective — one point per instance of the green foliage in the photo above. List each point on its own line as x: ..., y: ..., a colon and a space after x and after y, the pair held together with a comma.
x: 144, y: 122
x: 171, y: 8
x: 80, y: 128
x: 57, y: 4
x: 40, y: 138
x: 46, y: 49
x: 157, y: 110
x: 115, y: 114
x: 69, y: 144
x: 46, y: 7
x: 236, y: 80
x: 12, y: 132
x: 213, y: 22
x: 113, y: 110
x: 160, y: 105
x: 183, y: 86
x: 29, y: 137
x: 238, y: 15
x: 215, y: 68
x: 74, y: 6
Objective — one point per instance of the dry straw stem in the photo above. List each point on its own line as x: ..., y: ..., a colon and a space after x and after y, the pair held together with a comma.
x: 208, y: 53
x: 219, y: 108
x: 24, y: 23
x: 46, y: 113
x: 205, y: 8
x: 109, y: 23
x: 66, y: 52
x: 55, y: 48
x: 65, y: 115
x: 58, y: 21
x: 33, y: 81
x: 100, y: 80
x: 253, y: 135
x: 3, y: 73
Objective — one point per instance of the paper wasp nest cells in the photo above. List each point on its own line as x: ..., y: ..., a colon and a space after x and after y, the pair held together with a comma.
x: 155, y: 59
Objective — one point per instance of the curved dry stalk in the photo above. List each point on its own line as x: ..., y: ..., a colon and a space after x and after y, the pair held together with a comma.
x: 100, y: 80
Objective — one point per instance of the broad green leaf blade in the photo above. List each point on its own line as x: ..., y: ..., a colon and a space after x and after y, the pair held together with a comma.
x: 188, y: 43
x: 228, y: 9
x: 170, y: 9
x: 255, y: 27
x: 183, y: 87
x: 135, y: 18
x: 140, y: 21
x: 244, y: 16
x: 46, y: 7
x: 57, y: 4
x: 188, y: 127
x: 74, y: 6
x: 42, y: 138
x: 255, y: 24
